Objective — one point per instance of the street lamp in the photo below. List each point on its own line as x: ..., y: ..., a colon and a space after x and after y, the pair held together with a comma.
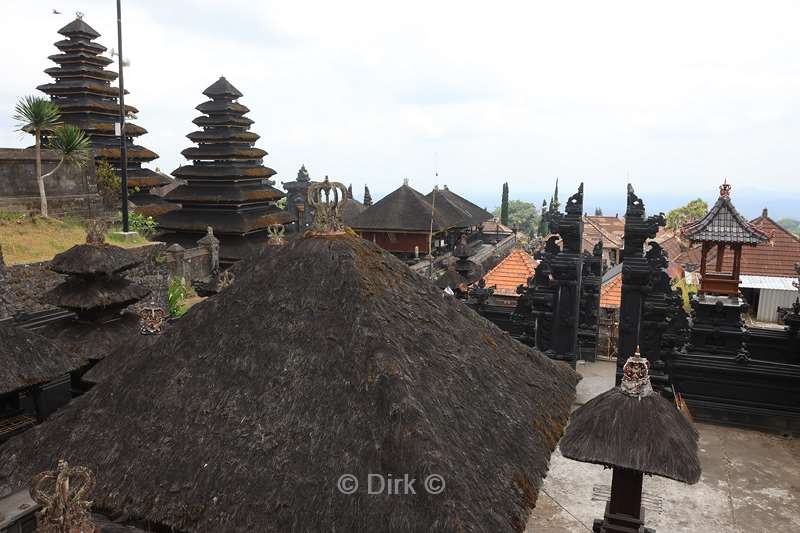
x: 123, y: 141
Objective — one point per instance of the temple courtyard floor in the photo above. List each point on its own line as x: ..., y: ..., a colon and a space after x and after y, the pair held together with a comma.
x: 750, y: 482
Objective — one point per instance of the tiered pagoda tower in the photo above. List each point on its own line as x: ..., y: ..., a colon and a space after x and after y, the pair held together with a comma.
x: 82, y: 89
x: 228, y: 187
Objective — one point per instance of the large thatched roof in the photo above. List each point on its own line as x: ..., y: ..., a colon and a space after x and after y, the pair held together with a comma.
x: 648, y: 434
x: 328, y: 357
x: 28, y: 359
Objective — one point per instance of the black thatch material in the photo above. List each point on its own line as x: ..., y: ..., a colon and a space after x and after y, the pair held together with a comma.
x: 404, y: 209
x: 27, y: 359
x: 647, y: 434
x: 326, y: 357
x: 82, y: 294
x: 464, y: 212
x: 97, y: 340
x: 93, y: 259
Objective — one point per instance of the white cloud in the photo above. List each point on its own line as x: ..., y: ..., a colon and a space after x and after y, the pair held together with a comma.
x: 674, y: 96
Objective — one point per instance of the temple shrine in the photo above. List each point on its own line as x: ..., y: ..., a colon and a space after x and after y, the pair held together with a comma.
x: 82, y: 89
x: 228, y: 187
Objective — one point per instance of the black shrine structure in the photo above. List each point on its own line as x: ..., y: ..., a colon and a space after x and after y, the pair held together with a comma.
x: 636, y: 284
x: 731, y: 372
x: 558, y: 309
x: 82, y: 89
x: 725, y: 370
x: 589, y: 323
x: 228, y: 187
x: 297, y: 200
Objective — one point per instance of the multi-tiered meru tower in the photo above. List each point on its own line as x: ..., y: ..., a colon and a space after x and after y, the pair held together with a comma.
x: 228, y: 187
x: 82, y: 89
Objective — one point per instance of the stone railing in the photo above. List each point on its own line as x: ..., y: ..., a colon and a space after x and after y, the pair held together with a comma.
x: 195, y: 263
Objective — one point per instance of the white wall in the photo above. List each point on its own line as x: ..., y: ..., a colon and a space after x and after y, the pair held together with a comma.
x: 769, y: 300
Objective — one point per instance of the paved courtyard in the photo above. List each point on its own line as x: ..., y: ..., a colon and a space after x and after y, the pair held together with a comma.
x: 750, y: 483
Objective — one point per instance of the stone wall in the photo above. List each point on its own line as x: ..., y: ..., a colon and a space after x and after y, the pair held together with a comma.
x: 71, y: 190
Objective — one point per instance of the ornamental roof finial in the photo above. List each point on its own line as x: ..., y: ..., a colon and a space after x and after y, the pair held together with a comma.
x: 725, y: 189
x: 327, y: 209
x: 63, y: 493
x: 636, y: 376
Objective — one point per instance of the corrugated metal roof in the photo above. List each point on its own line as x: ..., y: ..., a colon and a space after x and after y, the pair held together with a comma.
x: 768, y: 282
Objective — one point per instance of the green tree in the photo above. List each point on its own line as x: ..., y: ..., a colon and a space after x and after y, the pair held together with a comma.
x: 36, y: 115
x: 542, y: 229
x: 694, y: 210
x: 504, y: 206
x: 790, y: 224
x: 521, y: 215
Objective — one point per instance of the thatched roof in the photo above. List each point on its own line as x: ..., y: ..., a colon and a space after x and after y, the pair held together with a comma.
x: 327, y: 357
x: 404, y: 209
x: 93, y: 259
x: 645, y: 433
x: 459, y: 210
x: 96, y: 340
x: 81, y: 294
x: 27, y: 358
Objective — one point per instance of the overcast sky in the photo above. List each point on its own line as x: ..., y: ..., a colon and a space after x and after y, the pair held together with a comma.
x: 672, y: 96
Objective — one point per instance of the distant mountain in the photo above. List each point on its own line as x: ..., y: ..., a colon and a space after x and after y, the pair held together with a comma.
x: 791, y: 224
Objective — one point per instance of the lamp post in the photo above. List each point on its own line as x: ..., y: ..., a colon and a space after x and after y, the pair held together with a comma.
x: 123, y: 141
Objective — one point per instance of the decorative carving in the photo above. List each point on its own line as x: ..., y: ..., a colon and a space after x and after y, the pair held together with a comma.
x: 63, y: 493
x: 276, y: 233
x: 151, y: 320
x: 327, y: 199
x: 635, y: 376
x: 96, y: 231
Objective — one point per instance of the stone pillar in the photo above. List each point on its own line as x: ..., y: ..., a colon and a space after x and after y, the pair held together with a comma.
x: 175, y: 256
x: 635, y: 277
x: 211, y: 243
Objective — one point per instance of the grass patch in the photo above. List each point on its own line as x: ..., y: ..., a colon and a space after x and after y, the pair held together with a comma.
x: 119, y: 240
x: 27, y: 239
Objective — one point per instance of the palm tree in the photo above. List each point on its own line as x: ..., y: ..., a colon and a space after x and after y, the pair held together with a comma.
x: 39, y: 116
x: 71, y: 145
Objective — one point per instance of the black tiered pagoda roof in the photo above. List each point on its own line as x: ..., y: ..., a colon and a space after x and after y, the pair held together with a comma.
x: 82, y: 89
x: 724, y: 224
x: 228, y: 187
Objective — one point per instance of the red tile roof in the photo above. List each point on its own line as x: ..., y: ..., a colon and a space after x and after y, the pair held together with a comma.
x: 775, y: 258
x: 611, y: 293
x: 609, y: 229
x: 511, y: 272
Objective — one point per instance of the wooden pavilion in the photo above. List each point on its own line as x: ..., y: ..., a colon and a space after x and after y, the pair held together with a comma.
x: 724, y: 229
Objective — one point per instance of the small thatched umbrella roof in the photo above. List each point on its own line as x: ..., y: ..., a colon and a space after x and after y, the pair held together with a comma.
x: 634, y: 428
x: 94, y: 259
x: 29, y: 359
x: 81, y: 294
x: 328, y: 357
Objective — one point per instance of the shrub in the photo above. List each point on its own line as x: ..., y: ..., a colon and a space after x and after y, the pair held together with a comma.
x: 108, y: 183
x: 177, y: 293
x: 143, y: 225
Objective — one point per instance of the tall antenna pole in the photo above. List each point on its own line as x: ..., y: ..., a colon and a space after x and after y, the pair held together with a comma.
x: 123, y: 141
x: 430, y: 234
